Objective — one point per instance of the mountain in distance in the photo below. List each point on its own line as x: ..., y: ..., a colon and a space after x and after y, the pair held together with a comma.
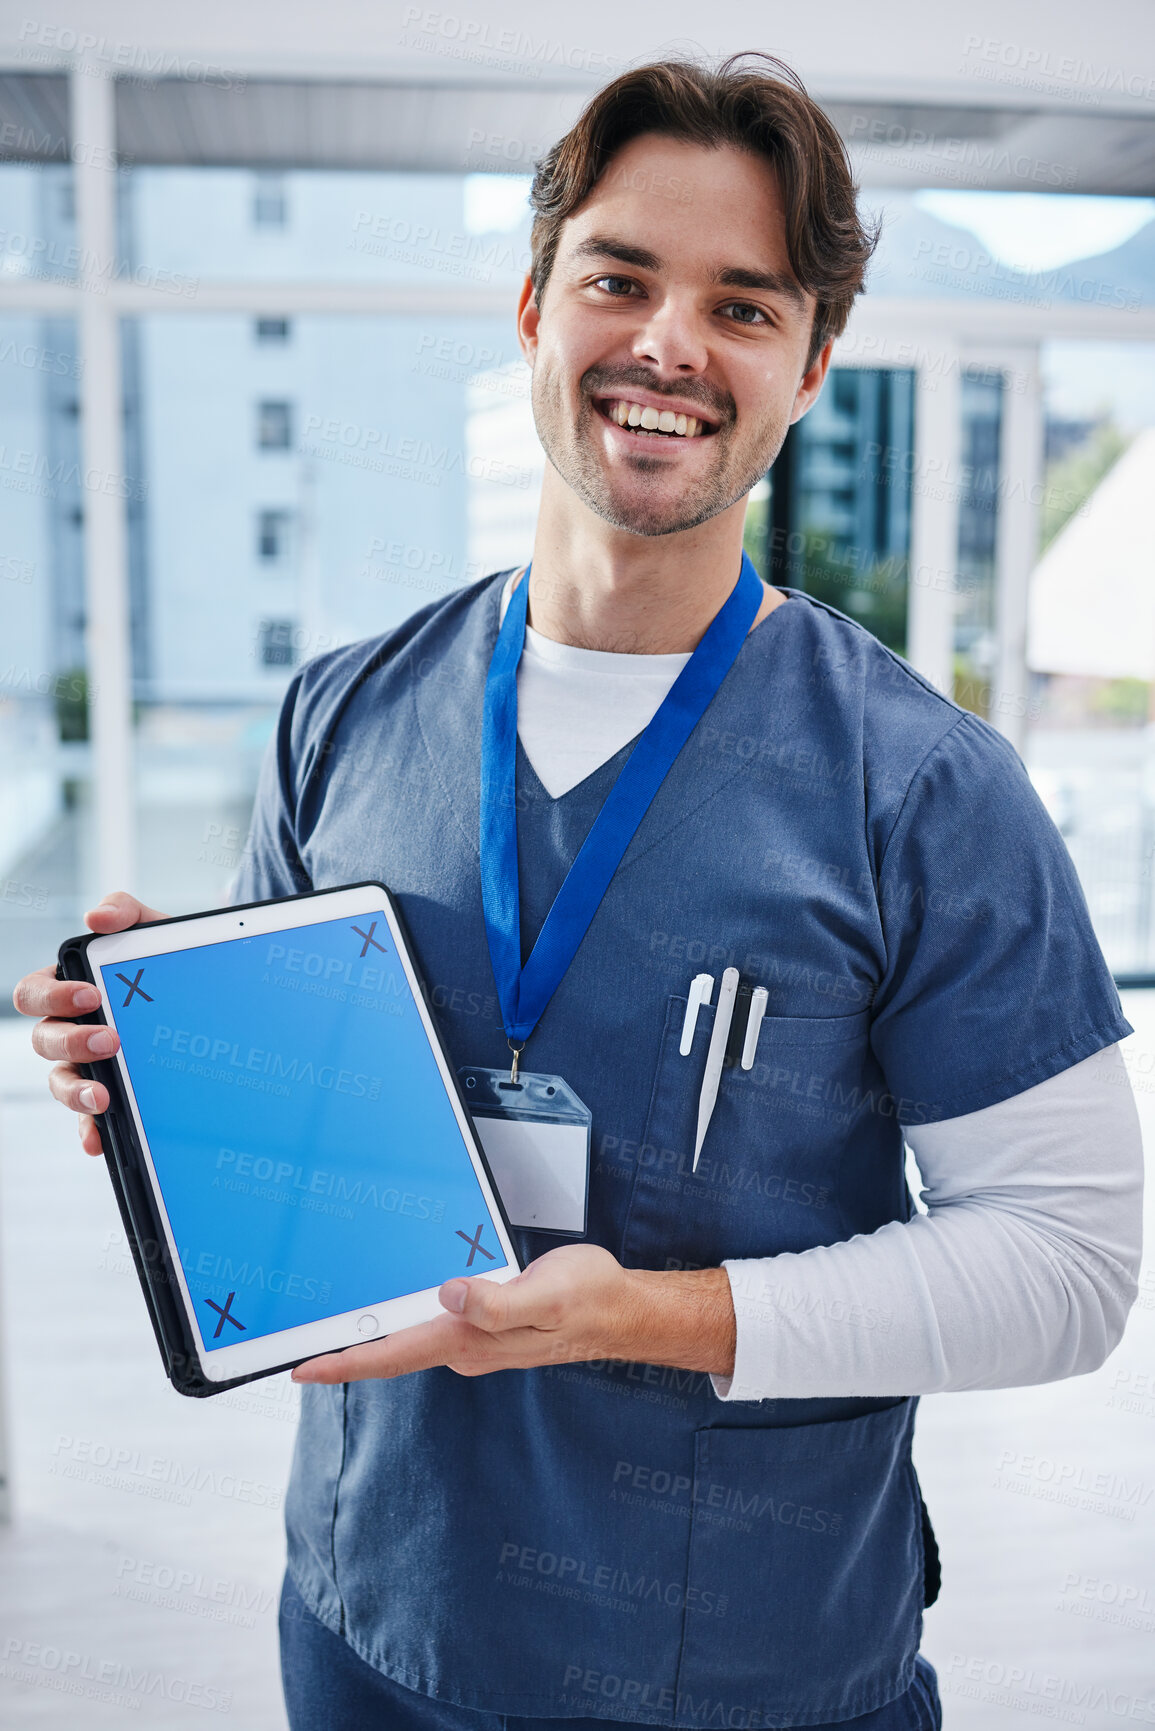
x: 920, y: 255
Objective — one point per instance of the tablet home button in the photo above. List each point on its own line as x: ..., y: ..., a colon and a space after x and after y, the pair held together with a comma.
x: 367, y: 1325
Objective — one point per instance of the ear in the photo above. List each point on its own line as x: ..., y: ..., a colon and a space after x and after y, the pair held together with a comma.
x: 528, y: 319
x: 811, y: 383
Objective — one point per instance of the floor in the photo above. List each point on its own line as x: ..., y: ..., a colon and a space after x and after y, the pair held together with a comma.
x: 141, y: 1568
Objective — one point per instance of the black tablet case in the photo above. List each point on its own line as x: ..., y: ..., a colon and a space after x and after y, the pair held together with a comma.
x: 129, y: 1173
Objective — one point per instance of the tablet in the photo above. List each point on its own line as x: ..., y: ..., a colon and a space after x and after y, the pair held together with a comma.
x: 295, y: 1164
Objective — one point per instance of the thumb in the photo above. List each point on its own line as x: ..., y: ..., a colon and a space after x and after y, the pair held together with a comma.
x: 495, y: 1306
x: 118, y: 911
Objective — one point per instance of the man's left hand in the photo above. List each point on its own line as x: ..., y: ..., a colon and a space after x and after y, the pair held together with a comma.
x: 572, y: 1304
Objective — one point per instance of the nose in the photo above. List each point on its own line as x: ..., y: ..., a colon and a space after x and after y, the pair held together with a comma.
x: 670, y: 336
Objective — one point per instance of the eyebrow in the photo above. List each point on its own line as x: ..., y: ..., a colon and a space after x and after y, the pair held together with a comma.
x: 732, y: 276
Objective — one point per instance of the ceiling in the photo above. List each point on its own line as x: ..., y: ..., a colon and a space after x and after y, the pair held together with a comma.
x: 504, y: 126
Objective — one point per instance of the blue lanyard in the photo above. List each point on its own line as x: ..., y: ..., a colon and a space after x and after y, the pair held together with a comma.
x: 523, y: 993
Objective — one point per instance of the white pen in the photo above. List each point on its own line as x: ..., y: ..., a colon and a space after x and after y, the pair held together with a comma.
x: 759, y: 998
x: 723, y: 1016
x: 701, y: 991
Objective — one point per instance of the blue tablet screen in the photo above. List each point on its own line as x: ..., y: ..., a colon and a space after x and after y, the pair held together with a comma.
x: 308, y: 1155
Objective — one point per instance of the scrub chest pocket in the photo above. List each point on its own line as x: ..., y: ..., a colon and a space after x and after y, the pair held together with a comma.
x: 767, y: 1178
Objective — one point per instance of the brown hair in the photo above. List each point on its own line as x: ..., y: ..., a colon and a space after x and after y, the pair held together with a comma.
x: 762, y: 109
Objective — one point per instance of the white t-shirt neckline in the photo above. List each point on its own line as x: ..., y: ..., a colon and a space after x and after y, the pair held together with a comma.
x: 576, y: 708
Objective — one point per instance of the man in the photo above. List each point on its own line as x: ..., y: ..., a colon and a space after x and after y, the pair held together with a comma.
x: 664, y: 1475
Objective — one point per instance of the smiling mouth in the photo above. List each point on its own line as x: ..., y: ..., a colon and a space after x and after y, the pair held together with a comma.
x: 647, y: 422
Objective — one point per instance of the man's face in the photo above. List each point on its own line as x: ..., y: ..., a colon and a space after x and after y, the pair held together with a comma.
x: 659, y: 301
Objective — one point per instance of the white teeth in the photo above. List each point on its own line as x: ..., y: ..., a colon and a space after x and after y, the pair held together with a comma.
x: 649, y: 419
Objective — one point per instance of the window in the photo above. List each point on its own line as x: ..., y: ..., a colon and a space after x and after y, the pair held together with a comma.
x: 275, y: 646
x: 975, y: 635
x: 274, y: 426
x: 270, y: 207
x: 272, y: 536
x: 838, y: 522
x: 271, y: 330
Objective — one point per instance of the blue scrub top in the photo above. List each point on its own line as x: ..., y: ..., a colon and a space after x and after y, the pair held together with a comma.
x: 612, y: 1540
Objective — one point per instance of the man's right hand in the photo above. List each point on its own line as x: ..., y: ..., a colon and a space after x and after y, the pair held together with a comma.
x: 57, y: 1037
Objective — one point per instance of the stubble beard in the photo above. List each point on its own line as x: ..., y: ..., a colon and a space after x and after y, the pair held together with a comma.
x: 736, y: 467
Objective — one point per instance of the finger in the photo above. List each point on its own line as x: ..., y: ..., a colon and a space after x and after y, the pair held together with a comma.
x: 89, y: 1136
x: 117, y: 912
x: 76, y: 1091
x: 516, y: 1303
x: 42, y: 994
x: 417, y: 1348
x: 64, y: 1040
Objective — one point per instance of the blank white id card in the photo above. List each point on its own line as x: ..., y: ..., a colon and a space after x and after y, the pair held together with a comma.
x: 536, y: 1136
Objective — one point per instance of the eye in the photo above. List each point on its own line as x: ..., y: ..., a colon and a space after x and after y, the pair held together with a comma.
x: 744, y: 308
x: 622, y: 284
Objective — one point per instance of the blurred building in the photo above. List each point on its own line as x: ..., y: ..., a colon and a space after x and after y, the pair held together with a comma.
x: 260, y: 391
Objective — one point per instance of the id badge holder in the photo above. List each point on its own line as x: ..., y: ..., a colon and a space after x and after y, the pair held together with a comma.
x: 536, y: 1136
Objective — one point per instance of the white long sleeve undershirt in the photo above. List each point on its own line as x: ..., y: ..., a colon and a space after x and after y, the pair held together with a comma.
x: 1024, y: 1266
x: 1022, y: 1270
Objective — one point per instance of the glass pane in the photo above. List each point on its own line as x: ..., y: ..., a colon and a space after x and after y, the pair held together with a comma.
x: 975, y: 646
x: 834, y: 516
x: 299, y: 493
x: 1091, y: 640
x: 180, y: 226
x: 44, y: 803
x: 1031, y: 249
x: 37, y: 221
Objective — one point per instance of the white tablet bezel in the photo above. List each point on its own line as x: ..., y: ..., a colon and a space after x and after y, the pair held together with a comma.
x: 329, y: 1334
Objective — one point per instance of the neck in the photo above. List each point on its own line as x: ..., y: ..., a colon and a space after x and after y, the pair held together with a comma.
x: 597, y: 587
